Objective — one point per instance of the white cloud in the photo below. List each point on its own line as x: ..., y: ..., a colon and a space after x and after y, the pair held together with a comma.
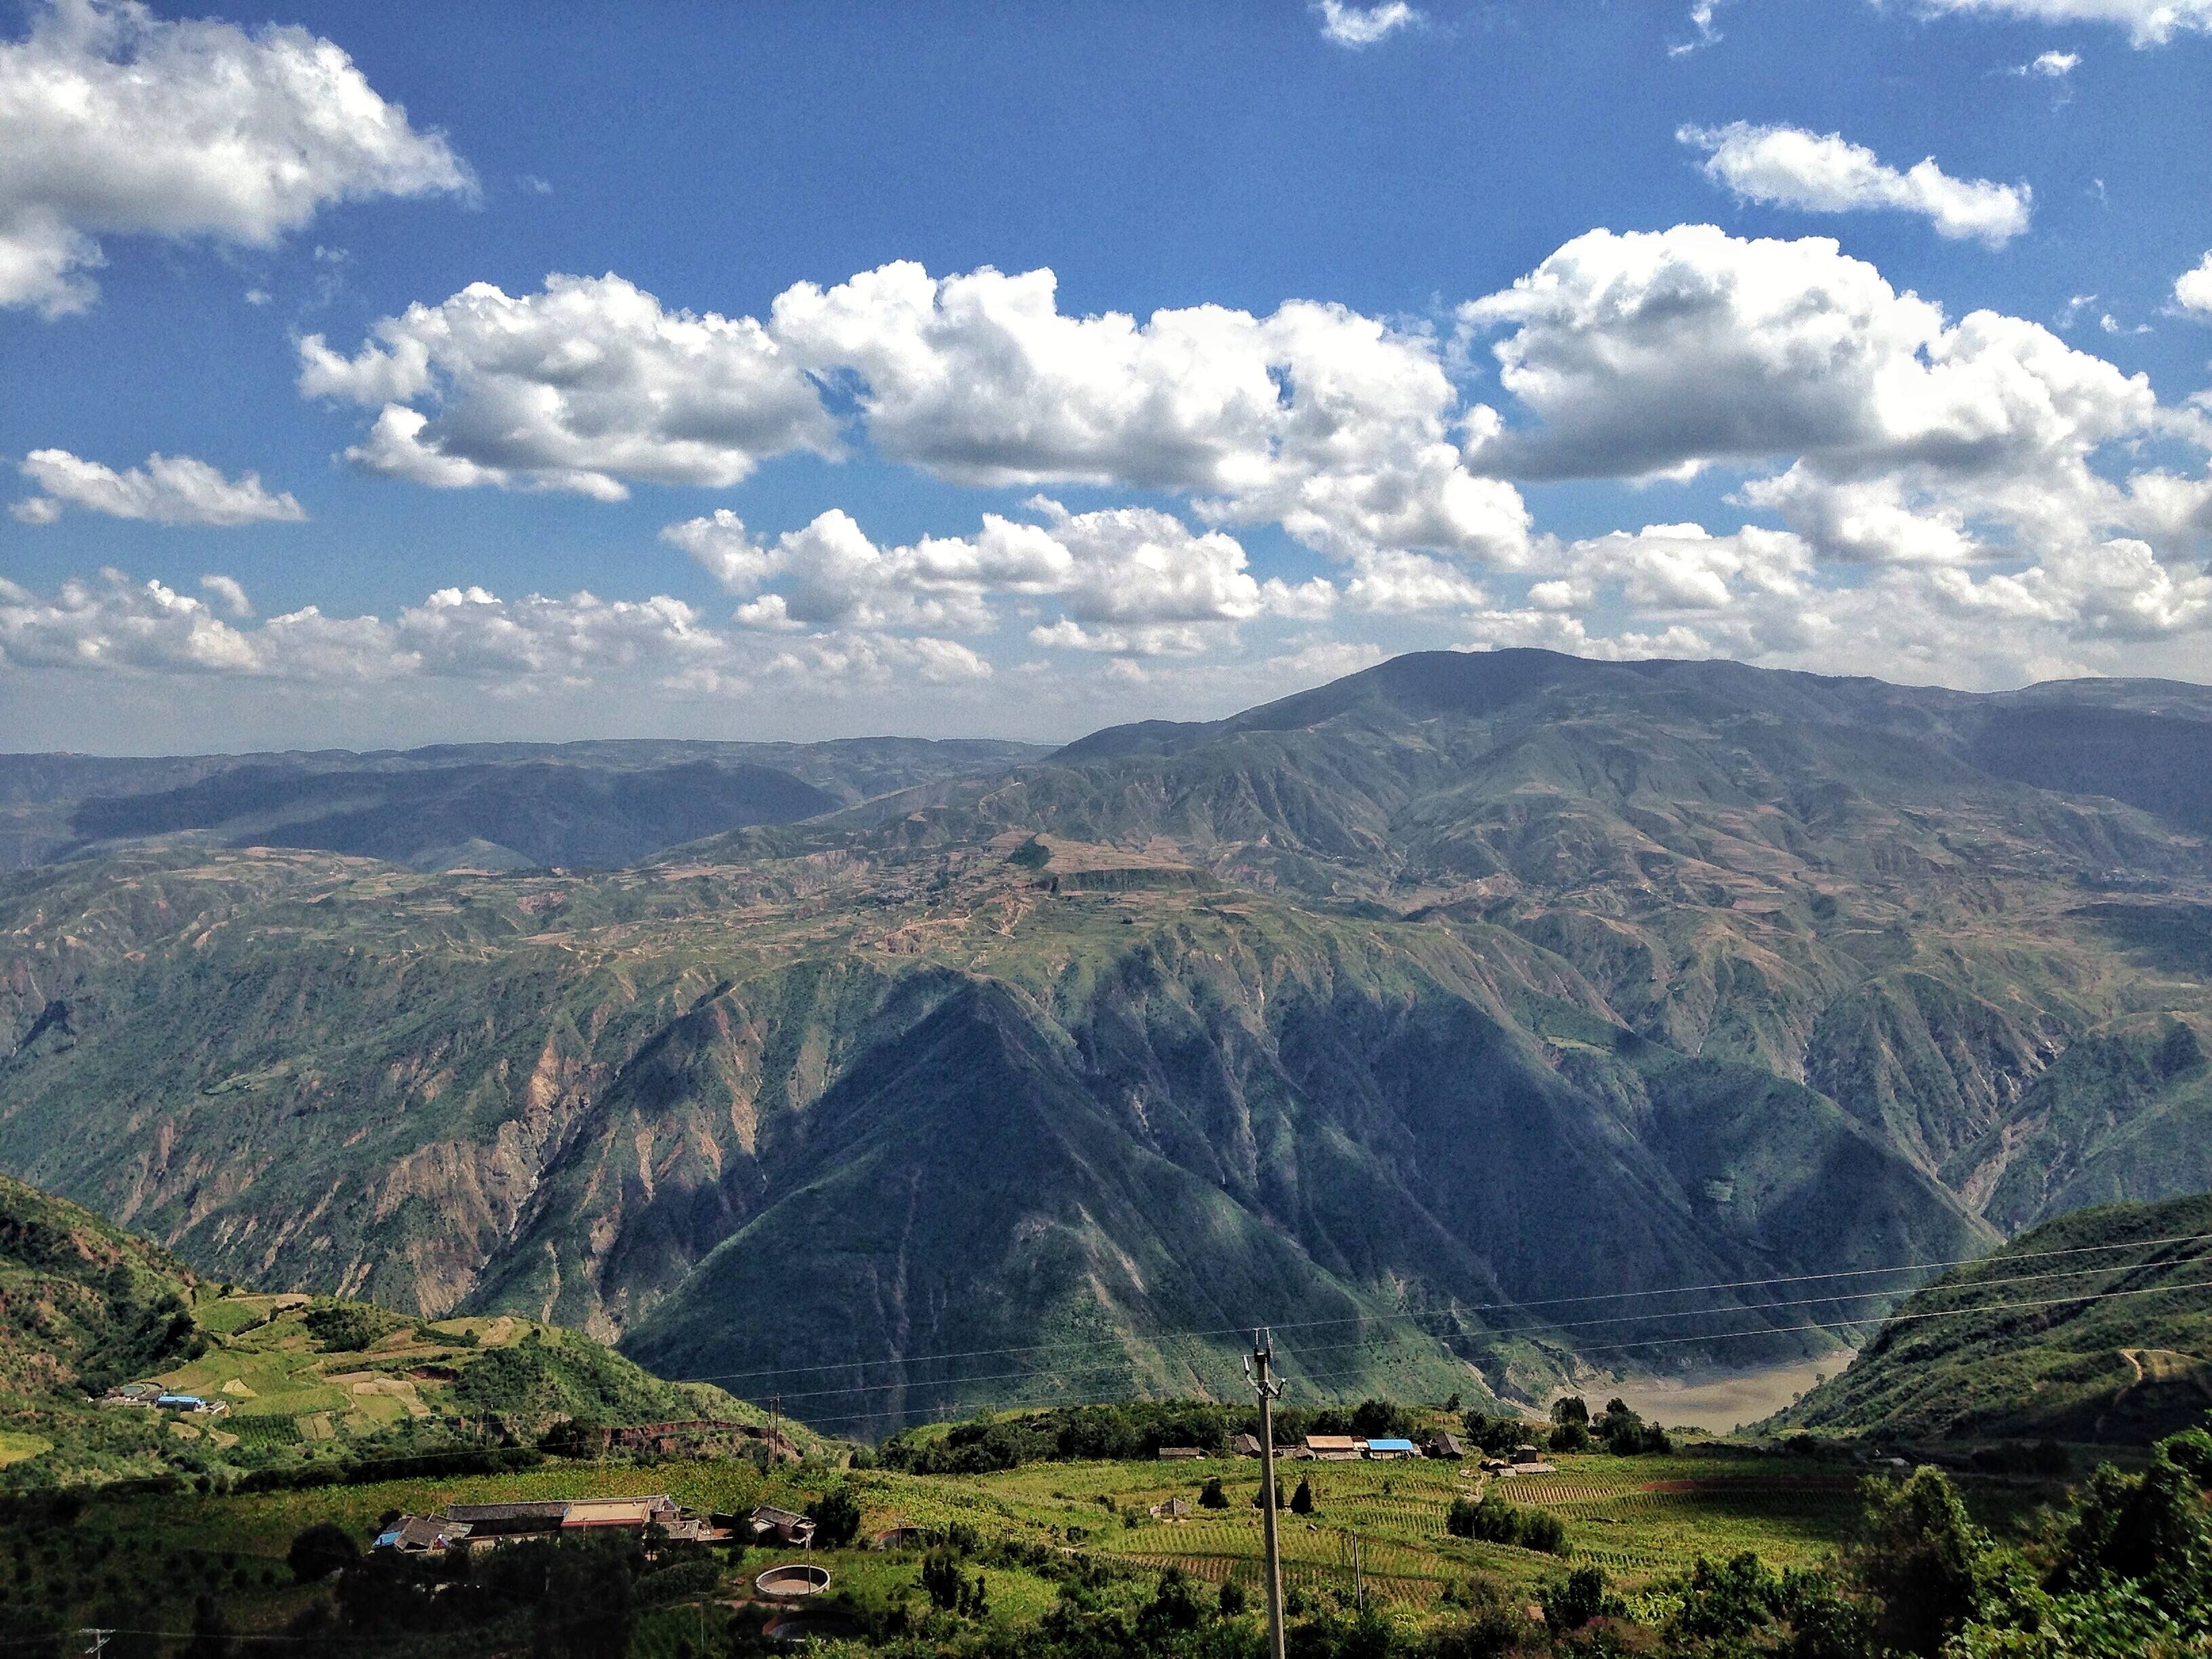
x: 2148, y: 22
x: 115, y: 122
x: 1701, y: 19
x: 230, y: 594
x: 2051, y: 65
x: 467, y: 635
x: 587, y: 386
x: 1664, y: 352
x: 1331, y: 423
x: 167, y: 490
x: 2192, y: 289
x: 1789, y: 168
x: 1129, y: 566
x: 1355, y: 25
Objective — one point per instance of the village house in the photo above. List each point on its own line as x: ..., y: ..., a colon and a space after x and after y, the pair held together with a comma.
x: 1447, y: 1446
x: 768, y: 1521
x: 422, y: 1535
x: 1245, y: 1445
x: 1389, y: 1447
x: 547, y: 1518
x: 1181, y: 1452
x: 1333, y: 1448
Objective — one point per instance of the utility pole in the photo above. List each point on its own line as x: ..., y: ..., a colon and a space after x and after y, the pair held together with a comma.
x: 1269, y: 1389
x: 98, y: 1641
x: 1359, y: 1583
x: 775, y: 1412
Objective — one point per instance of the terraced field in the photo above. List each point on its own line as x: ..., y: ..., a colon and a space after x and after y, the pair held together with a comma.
x: 1641, y: 1518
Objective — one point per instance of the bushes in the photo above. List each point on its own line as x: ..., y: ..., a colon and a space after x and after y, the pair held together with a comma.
x: 836, y: 1517
x: 1491, y: 1520
x: 1626, y: 1435
x: 320, y: 1551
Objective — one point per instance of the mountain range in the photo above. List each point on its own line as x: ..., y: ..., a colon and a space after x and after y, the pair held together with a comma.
x: 1449, y: 1017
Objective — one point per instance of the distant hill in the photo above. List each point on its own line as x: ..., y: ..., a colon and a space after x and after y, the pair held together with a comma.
x: 479, y: 805
x: 1431, y: 1004
x: 2126, y: 1363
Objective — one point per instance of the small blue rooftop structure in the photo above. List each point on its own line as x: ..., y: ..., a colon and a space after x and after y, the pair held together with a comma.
x: 1392, y: 1449
x: 184, y: 1402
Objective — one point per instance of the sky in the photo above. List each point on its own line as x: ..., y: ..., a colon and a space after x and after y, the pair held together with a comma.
x: 372, y: 376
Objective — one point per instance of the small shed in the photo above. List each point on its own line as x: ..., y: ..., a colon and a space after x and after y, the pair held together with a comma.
x: 1176, y: 1508
x: 1183, y: 1453
x: 1447, y: 1446
x: 1392, y: 1446
x: 422, y: 1535
x: 1245, y: 1445
x: 1335, y: 1447
x: 768, y: 1521
x: 1527, y: 1455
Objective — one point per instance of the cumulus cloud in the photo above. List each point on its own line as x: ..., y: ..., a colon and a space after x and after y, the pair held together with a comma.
x: 1136, y: 567
x: 588, y: 386
x: 1347, y: 432
x: 117, y: 123
x: 2192, y: 289
x: 1355, y: 25
x: 2148, y: 22
x: 1667, y: 352
x: 167, y: 490
x: 2051, y: 65
x: 114, y: 625
x: 1789, y: 168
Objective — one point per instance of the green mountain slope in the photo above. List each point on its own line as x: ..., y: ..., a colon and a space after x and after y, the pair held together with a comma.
x: 1464, y: 984
x: 87, y: 1304
x: 2121, y: 1354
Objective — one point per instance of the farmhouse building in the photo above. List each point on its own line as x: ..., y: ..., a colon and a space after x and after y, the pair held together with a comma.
x: 1333, y: 1448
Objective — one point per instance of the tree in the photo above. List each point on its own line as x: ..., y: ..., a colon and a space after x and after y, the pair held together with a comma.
x: 836, y: 1517
x: 1572, y: 1408
x: 1211, y: 1497
x: 589, y: 1608
x: 1728, y: 1601
x: 942, y: 1580
x: 211, y: 1633
x: 1922, y: 1557
x: 1301, y: 1500
x: 1571, y: 1437
x: 1231, y: 1601
x: 320, y: 1551
x: 1259, y: 1495
x: 2148, y: 1530
x: 1569, y: 1603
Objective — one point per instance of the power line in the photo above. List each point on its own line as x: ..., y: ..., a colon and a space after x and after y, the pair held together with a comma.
x: 1534, y: 1329
x: 1477, y: 1307
x: 1713, y: 1336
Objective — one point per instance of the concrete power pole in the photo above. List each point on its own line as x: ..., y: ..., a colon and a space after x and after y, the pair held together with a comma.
x: 1257, y: 1371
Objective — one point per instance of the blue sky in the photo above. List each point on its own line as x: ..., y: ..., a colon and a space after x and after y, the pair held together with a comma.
x: 1817, y: 333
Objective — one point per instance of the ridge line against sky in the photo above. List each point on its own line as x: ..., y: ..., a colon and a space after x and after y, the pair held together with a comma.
x: 355, y: 396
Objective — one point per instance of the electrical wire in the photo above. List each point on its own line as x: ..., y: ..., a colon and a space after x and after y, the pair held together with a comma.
x: 1466, y: 1308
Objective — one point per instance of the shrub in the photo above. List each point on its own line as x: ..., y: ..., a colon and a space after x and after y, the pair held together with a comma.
x: 1569, y: 1603
x: 836, y: 1517
x: 320, y: 1551
x: 1211, y: 1497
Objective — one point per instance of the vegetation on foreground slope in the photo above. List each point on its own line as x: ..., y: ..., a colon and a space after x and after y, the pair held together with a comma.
x: 2098, y: 1326
x: 311, y: 1389
x: 1714, y: 1552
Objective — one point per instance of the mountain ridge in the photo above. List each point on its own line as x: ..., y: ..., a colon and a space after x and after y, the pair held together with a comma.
x: 1470, y: 981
